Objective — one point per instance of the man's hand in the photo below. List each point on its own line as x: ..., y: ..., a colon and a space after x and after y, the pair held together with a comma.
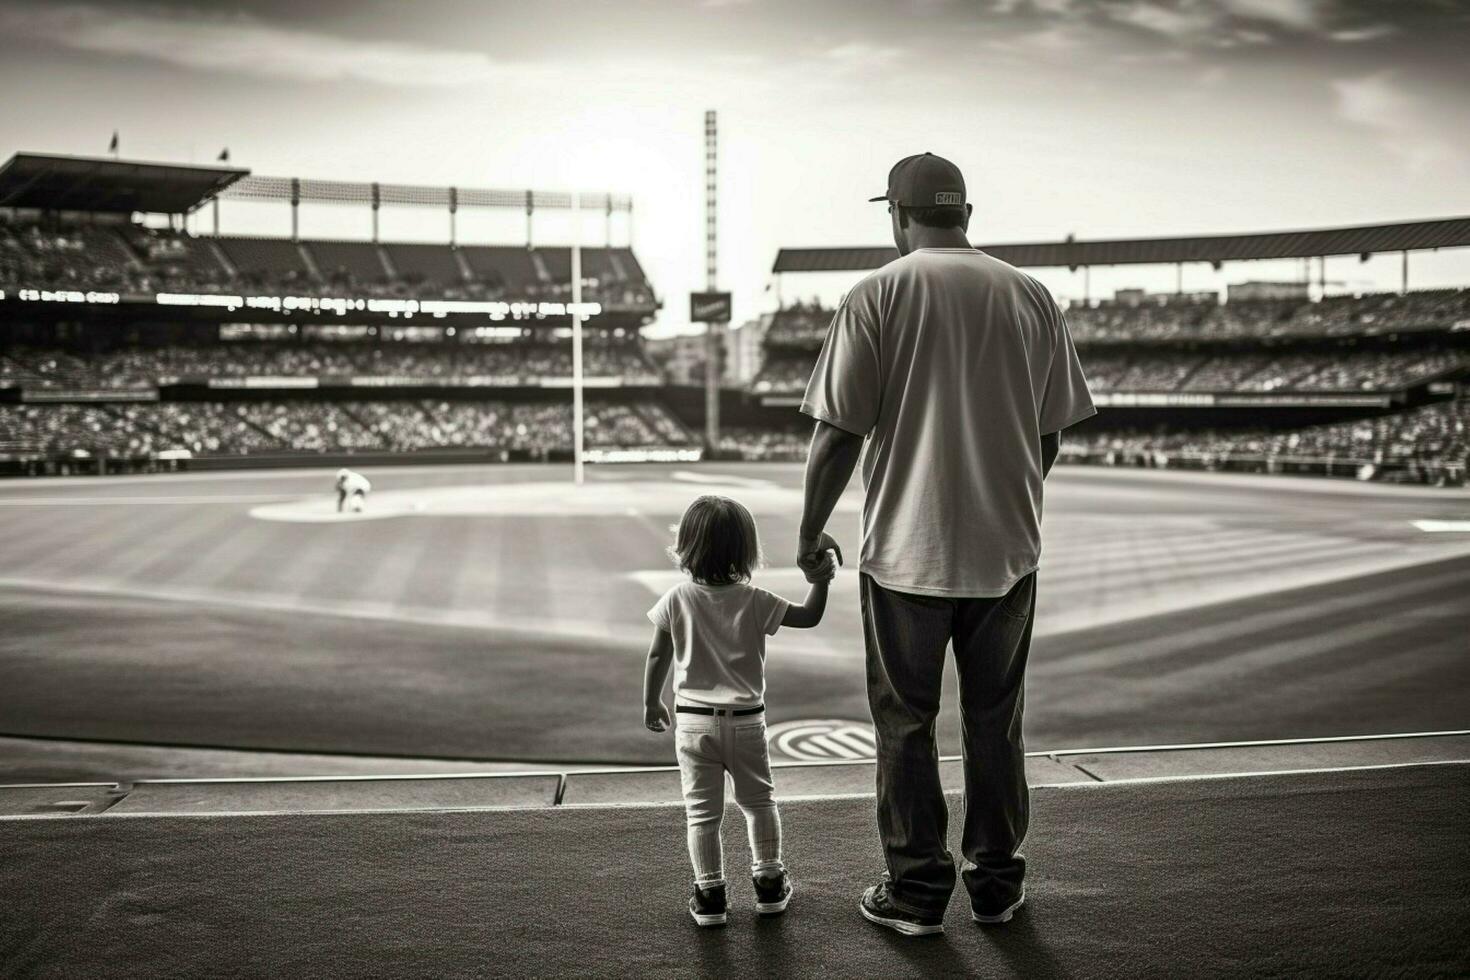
x: 825, y: 569
x: 656, y: 717
x: 810, y: 552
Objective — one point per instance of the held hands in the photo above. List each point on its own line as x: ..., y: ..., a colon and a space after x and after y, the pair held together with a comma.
x: 823, y: 569
x: 656, y: 717
x: 814, y: 556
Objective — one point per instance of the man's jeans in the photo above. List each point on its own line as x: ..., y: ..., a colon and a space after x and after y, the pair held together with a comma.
x: 906, y: 636
x: 709, y: 746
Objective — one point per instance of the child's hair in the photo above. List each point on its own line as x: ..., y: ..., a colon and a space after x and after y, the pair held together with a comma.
x: 717, y: 543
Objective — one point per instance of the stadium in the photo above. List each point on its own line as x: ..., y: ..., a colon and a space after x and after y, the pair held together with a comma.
x: 1249, y: 523
x: 340, y: 478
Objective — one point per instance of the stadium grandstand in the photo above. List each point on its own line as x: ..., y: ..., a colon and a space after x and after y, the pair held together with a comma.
x: 1371, y: 386
x: 129, y: 346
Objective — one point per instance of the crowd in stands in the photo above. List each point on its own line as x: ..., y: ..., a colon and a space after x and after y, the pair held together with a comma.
x: 1434, y: 434
x: 1189, y: 370
x: 1332, y: 316
x: 802, y: 324
x: 1429, y: 442
x: 1354, y: 370
x: 805, y: 324
x: 145, y: 367
x: 788, y: 443
x: 138, y: 429
x: 78, y: 258
x: 783, y: 374
x: 133, y: 259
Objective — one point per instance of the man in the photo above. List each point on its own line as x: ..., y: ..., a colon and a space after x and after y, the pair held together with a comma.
x: 352, y: 490
x: 953, y: 374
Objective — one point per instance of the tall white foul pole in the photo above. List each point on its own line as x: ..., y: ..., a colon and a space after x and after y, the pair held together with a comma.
x: 577, y: 464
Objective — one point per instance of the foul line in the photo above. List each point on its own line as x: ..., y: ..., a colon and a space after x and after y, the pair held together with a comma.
x: 69, y: 501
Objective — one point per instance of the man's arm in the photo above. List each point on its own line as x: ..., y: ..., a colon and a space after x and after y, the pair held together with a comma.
x: 809, y: 613
x: 829, y: 464
x: 656, y: 716
x: 1051, y: 445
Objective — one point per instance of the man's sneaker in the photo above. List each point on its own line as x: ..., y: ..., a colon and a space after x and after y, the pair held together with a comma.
x: 877, y: 907
x: 772, y: 894
x: 707, y: 905
x: 997, y: 913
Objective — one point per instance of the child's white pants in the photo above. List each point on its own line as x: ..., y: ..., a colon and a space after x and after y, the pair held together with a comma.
x: 709, y: 746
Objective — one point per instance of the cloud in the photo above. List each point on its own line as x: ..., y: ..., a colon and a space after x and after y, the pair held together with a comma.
x: 1301, y: 15
x: 1377, y: 102
x: 241, y: 45
x: 861, y: 54
x: 1355, y: 35
x: 1202, y: 23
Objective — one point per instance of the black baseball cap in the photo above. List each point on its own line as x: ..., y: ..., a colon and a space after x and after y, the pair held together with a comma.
x: 924, y: 181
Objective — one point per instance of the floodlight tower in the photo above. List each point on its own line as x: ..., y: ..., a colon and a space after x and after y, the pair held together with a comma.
x: 578, y: 423
x: 713, y: 329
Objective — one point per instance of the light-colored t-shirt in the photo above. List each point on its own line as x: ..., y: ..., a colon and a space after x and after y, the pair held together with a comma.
x: 953, y: 364
x: 719, y: 640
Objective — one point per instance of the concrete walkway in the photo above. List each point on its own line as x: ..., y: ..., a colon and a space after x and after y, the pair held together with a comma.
x: 1327, y: 874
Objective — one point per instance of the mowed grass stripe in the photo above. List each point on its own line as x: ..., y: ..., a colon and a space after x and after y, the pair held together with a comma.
x: 1315, y: 640
x: 1113, y: 648
x: 178, y: 549
x: 381, y: 567
x: 1266, y: 551
x: 1143, y: 548
x: 437, y: 564
x: 252, y: 562
x: 38, y: 547
x: 474, y: 585
x: 1320, y: 669
x: 1057, y: 545
x: 123, y: 540
x: 525, y: 558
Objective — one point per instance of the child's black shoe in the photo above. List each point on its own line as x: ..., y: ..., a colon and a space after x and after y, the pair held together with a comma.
x: 707, y: 905
x: 772, y: 893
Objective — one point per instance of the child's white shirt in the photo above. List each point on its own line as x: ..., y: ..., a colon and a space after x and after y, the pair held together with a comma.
x: 719, y: 636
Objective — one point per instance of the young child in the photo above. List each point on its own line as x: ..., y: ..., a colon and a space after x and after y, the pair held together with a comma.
x: 712, y: 630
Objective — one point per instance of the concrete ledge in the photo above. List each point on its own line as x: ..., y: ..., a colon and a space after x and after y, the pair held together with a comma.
x: 1113, y: 766
x: 59, y: 799
x: 315, y: 795
x: 660, y: 784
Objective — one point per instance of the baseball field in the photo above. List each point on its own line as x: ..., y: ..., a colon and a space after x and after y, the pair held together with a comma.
x: 497, y: 613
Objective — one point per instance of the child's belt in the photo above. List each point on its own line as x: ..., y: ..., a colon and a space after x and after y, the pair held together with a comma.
x: 690, y: 709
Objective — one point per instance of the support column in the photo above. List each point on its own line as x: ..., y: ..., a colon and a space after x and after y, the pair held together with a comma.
x: 530, y: 209
x: 1405, y: 287
x: 713, y: 332
x: 577, y: 408
x: 295, y: 209
x: 453, y: 207
x: 376, y: 203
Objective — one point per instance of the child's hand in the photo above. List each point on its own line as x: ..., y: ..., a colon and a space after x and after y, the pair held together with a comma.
x: 656, y: 717
x: 821, y: 571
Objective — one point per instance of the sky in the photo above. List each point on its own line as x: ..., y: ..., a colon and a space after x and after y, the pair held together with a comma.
x: 1099, y: 118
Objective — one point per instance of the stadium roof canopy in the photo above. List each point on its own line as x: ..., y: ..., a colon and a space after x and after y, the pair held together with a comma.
x: 1360, y: 239
x: 65, y: 183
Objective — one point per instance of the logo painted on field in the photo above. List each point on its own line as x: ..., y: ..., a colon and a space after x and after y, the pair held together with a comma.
x: 822, y: 740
